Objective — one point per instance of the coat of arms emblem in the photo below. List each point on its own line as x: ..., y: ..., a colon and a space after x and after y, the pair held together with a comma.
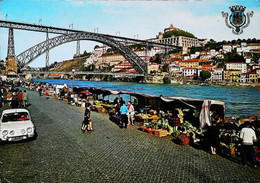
x: 238, y: 19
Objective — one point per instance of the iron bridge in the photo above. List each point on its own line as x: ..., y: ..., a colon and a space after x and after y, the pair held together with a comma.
x: 85, y: 73
x: 69, y: 35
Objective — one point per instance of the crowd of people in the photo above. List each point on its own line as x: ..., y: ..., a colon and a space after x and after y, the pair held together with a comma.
x: 125, y: 115
x: 73, y: 98
x: 13, y: 97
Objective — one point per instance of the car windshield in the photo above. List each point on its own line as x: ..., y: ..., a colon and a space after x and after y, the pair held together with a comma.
x: 16, y: 116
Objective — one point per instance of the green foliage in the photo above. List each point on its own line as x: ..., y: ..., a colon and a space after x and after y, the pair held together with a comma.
x: 205, y: 75
x: 166, y: 80
x: 176, y: 133
x: 2, y: 67
x: 91, y: 67
x: 233, y: 57
x: 221, y: 62
x: 153, y: 72
x: 157, y: 58
x: 111, y: 51
x: 196, y: 49
x: 212, y: 44
x: 165, y: 68
x: 178, y: 33
x: 85, y: 54
x: 139, y: 47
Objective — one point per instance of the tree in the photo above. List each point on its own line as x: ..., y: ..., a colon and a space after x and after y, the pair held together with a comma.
x: 91, y: 67
x: 96, y: 47
x: 196, y: 49
x: 166, y: 80
x: 153, y: 72
x: 165, y: 68
x: 233, y: 57
x: 205, y: 75
x: 178, y: 32
x: 234, y: 41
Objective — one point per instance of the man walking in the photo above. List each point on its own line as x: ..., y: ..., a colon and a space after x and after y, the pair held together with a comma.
x: 248, y: 137
x: 123, y: 111
x: 20, y: 98
x: 25, y: 98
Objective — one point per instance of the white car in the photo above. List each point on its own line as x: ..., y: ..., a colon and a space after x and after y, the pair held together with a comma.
x: 15, y: 125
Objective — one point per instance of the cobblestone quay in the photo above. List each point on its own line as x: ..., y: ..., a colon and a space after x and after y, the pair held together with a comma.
x: 62, y: 153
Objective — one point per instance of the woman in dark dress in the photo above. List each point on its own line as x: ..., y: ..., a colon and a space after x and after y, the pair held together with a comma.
x: 213, y: 136
x: 85, y: 122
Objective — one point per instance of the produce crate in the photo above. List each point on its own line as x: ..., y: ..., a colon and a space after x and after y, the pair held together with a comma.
x: 139, y: 123
x: 160, y: 133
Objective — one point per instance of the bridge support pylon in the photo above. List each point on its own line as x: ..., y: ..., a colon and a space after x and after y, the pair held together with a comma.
x: 11, y: 62
x: 47, y: 52
x: 78, y: 48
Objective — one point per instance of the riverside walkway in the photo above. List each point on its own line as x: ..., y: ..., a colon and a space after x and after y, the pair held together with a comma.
x: 62, y: 153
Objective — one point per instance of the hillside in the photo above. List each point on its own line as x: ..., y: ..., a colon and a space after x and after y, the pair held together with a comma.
x: 178, y: 32
x: 68, y: 65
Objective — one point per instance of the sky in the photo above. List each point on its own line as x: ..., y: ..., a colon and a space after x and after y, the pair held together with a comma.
x: 129, y: 18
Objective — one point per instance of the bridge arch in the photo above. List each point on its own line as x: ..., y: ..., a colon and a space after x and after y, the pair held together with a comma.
x: 32, y: 53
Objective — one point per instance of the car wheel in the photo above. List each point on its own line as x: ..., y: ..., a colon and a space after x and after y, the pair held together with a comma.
x: 35, y: 136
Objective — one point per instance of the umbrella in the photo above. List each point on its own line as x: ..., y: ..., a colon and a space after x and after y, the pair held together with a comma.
x: 85, y: 91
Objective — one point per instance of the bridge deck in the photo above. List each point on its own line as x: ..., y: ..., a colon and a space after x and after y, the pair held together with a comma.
x: 86, y: 73
x: 58, y: 30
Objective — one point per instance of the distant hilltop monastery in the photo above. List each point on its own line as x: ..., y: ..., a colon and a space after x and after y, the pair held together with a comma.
x: 178, y: 37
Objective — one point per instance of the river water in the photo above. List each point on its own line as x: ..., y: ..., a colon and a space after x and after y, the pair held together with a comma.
x: 240, y: 101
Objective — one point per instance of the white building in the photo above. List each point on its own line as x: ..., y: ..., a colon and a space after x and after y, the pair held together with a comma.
x: 218, y: 74
x: 190, y: 71
x: 173, y: 68
x: 237, y: 66
x: 181, y: 41
x: 227, y: 48
x: 98, y: 51
x: 186, y: 58
x: 244, y: 78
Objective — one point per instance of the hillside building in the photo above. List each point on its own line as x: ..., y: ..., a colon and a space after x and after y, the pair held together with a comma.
x: 189, y: 63
x: 190, y: 71
x: 217, y: 74
x: 237, y: 66
x: 181, y: 41
x: 232, y: 75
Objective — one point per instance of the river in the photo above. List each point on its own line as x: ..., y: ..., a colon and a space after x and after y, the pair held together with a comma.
x: 240, y: 101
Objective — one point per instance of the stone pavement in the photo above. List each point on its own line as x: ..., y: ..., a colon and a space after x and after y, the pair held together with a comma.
x: 62, y: 153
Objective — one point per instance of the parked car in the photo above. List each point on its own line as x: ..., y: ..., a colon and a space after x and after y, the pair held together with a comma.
x: 16, y: 125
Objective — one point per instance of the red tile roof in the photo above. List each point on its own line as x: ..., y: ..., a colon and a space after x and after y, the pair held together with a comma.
x: 190, y: 60
x: 207, y: 65
x: 205, y: 69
